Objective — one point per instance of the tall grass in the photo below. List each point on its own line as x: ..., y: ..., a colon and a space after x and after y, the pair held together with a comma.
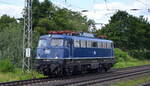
x: 6, y: 66
x: 8, y: 72
x: 138, y: 81
x: 124, y: 60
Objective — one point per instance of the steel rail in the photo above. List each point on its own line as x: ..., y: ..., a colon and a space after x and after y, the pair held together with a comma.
x: 106, y: 78
x: 83, y: 81
x: 146, y: 84
x: 25, y: 82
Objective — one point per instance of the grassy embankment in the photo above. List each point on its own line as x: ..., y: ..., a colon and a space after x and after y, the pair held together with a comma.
x: 124, y: 60
x: 9, y: 73
x: 133, y: 82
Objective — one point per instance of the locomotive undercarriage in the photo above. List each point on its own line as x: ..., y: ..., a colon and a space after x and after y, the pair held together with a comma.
x: 59, y: 67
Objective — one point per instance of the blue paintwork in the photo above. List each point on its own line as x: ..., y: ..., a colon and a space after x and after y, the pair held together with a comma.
x: 72, y: 52
x: 89, y: 52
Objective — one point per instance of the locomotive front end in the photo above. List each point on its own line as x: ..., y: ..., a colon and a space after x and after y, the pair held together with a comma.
x: 50, y: 53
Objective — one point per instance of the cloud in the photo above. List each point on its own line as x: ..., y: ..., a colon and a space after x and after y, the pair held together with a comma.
x: 11, y: 10
x: 41, y: 0
x: 101, y: 12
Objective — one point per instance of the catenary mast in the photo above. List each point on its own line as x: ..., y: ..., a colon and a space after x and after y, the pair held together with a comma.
x: 27, y: 36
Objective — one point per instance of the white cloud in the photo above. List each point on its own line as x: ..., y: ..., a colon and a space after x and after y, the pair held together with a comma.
x: 41, y: 0
x: 101, y: 12
x: 11, y: 10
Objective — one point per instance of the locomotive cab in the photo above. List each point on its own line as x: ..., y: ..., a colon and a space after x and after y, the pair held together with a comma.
x: 50, y: 53
x: 52, y: 47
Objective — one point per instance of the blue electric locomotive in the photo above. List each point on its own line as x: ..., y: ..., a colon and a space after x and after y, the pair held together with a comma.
x: 67, y: 53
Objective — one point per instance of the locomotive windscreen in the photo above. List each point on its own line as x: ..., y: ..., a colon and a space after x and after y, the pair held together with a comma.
x: 42, y: 43
x: 57, y: 42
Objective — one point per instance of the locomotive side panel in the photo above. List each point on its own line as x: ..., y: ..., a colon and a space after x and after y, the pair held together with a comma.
x: 92, y: 53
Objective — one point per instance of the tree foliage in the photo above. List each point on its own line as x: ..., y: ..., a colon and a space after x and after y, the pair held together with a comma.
x: 128, y: 32
x: 10, y: 39
x: 5, y: 21
x: 47, y: 16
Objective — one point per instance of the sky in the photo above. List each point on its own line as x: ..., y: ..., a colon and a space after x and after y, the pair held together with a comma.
x: 98, y: 10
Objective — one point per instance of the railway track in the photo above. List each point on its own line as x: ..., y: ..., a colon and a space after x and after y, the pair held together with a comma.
x: 105, y: 78
x: 24, y: 82
x: 146, y: 84
x: 83, y: 79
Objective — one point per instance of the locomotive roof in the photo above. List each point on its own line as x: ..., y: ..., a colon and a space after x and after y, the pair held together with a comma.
x: 74, y: 37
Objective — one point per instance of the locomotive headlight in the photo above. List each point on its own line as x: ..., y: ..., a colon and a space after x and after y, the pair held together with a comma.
x: 56, y: 57
x: 38, y: 57
x: 47, y: 51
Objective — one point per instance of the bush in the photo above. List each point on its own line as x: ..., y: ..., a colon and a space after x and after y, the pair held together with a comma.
x: 140, y: 54
x: 122, y: 56
x: 6, y: 66
x: 125, y: 60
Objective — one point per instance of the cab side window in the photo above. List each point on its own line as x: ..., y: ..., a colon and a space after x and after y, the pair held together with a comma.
x: 83, y: 44
x: 94, y: 45
x: 89, y: 44
x: 76, y: 43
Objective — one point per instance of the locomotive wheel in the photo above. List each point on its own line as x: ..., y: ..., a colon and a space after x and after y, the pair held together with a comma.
x: 76, y: 70
x: 44, y: 69
x: 106, y: 68
x: 100, y: 68
x: 69, y: 71
x: 59, y: 71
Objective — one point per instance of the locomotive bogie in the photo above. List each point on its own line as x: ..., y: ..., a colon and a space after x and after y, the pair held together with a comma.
x: 70, y: 66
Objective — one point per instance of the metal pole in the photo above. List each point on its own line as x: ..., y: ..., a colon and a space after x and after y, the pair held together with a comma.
x: 27, y: 36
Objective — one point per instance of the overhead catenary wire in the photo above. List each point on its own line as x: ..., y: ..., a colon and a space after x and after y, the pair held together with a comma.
x: 66, y: 4
x: 146, y: 5
x: 106, y: 7
x: 143, y: 3
x: 4, y: 2
x: 106, y: 4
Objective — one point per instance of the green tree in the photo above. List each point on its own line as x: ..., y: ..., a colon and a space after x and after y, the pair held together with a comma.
x: 35, y: 12
x: 10, y: 39
x: 47, y: 16
x: 128, y: 32
x: 5, y: 20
